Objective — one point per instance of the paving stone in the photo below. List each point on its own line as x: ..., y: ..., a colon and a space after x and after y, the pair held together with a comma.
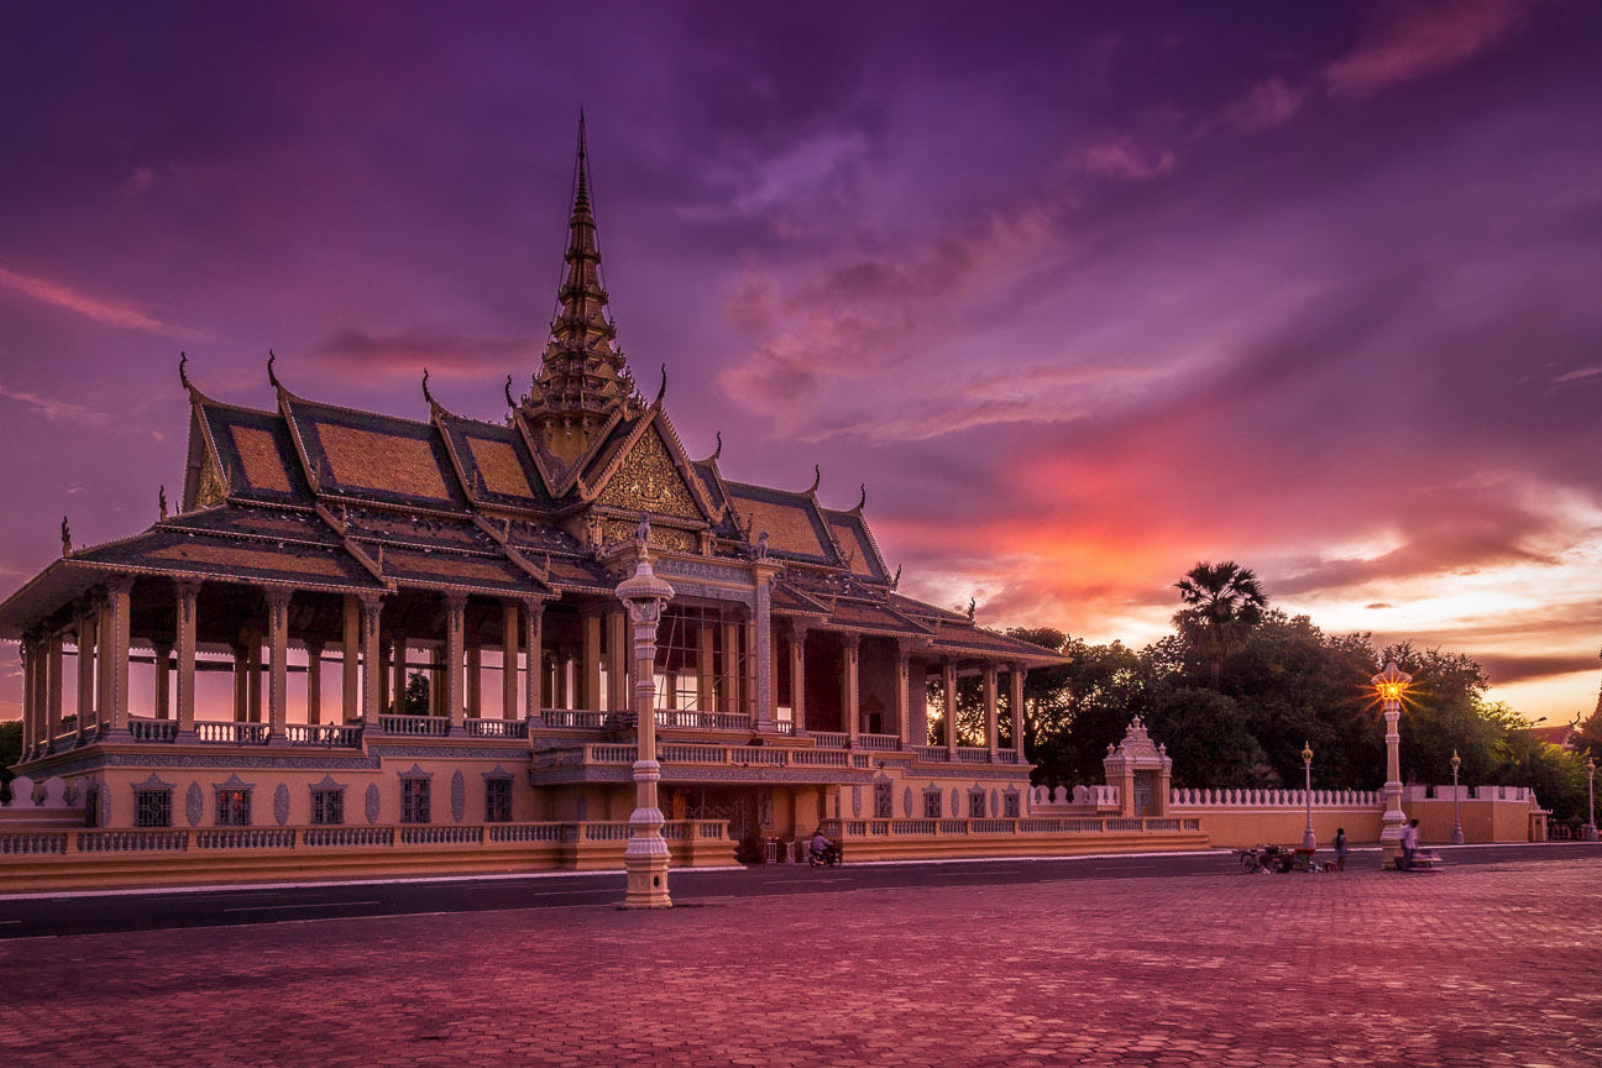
x: 1467, y: 968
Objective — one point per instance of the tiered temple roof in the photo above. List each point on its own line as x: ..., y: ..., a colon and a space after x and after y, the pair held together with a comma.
x: 319, y: 497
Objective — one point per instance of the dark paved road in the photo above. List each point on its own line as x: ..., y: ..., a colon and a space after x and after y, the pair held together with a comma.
x: 34, y: 917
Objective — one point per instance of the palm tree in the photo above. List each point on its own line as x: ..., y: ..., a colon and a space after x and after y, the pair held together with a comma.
x: 1224, y: 601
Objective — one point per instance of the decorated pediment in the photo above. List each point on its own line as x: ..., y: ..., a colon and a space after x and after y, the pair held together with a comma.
x: 646, y: 479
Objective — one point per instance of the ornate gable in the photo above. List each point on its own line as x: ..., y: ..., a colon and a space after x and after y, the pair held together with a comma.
x: 647, y: 480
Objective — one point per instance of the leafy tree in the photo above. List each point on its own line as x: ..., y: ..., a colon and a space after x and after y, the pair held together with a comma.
x: 1093, y: 699
x: 1206, y: 735
x: 1224, y: 601
x: 10, y: 752
x: 417, y: 694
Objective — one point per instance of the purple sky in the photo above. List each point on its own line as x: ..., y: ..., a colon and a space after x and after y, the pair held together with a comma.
x: 1084, y: 293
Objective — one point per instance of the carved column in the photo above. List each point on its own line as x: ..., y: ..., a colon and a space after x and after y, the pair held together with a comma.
x: 706, y: 668
x: 455, y: 624
x: 30, y: 687
x: 371, y: 609
x: 88, y: 621
x: 162, y: 652
x: 241, y: 681
x: 117, y: 616
x: 475, y: 683
x: 397, y: 659
x: 104, y: 669
x: 509, y: 623
x: 534, y: 656
x: 253, y: 674
x: 903, y: 700
x: 1019, y: 714
x: 734, y: 693
x: 278, y: 664
x: 389, y: 699
x: 350, y: 642
x: 992, y: 727
x: 948, y: 680
x: 314, y: 682
x: 850, y: 686
x: 53, y: 695
x: 759, y: 635
x: 617, y: 661
x: 436, y: 680
x: 798, y: 676
x: 589, y: 695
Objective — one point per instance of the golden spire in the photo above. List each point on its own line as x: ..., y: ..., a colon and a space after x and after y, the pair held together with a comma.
x: 583, y: 371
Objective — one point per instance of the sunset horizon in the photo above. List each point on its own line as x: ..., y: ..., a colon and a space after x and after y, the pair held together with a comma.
x: 1071, y: 308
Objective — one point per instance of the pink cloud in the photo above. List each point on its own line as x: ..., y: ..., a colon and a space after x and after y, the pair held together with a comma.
x: 100, y: 309
x: 360, y: 354
x: 1271, y: 102
x: 56, y: 411
x: 1423, y: 38
x: 1121, y: 158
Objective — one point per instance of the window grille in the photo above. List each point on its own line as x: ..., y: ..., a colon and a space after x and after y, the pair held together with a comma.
x: 497, y: 800
x: 233, y: 808
x: 414, y: 801
x: 328, y: 807
x: 1009, y: 806
x: 882, y: 802
x: 152, y: 807
x: 931, y: 804
x: 976, y: 805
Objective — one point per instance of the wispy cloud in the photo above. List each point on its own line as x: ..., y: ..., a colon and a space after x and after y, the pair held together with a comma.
x: 56, y: 411
x: 100, y: 309
x: 1122, y: 158
x: 360, y: 354
x: 1421, y: 39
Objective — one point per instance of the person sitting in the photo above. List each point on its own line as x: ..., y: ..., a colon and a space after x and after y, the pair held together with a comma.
x: 821, y: 843
x: 1409, y: 844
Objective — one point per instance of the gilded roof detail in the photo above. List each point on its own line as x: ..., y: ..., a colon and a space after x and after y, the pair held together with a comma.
x: 259, y: 455
x: 648, y: 481
x: 452, y: 567
x: 497, y: 462
x: 390, y: 463
x: 857, y: 553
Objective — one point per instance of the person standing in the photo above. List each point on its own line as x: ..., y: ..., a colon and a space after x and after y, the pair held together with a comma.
x: 1340, y: 849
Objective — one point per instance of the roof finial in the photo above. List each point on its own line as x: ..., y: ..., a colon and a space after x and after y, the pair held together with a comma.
x: 161, y: 499
x: 817, y: 478
x: 183, y: 376
x: 662, y: 391
x: 429, y: 397
x: 896, y: 582
x: 66, y: 538
x: 271, y: 377
x: 510, y: 403
x: 717, y: 451
x: 863, y: 501
x: 973, y: 603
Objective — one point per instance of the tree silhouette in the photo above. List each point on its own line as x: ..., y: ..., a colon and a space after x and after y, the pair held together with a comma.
x: 1225, y: 601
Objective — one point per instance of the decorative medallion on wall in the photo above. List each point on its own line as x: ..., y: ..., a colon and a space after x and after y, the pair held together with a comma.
x: 372, y: 802
x: 956, y: 804
x: 906, y: 802
x: 856, y: 801
x: 70, y: 794
x: 458, y: 796
x: 281, y: 804
x: 194, y: 804
x: 995, y: 803
x: 105, y: 807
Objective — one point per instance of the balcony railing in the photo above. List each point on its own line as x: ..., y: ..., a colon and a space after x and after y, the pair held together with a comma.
x: 152, y: 730
x: 571, y: 717
x: 722, y: 755
x: 716, y: 721
x: 417, y: 726
x: 253, y: 839
x: 233, y: 733
x: 964, y: 828
x: 497, y: 728
x: 329, y: 735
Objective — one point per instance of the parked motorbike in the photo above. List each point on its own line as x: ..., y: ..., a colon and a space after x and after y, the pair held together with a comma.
x: 824, y: 858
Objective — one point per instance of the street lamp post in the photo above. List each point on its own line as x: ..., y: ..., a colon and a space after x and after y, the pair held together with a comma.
x: 1309, y: 839
x: 645, y: 858
x: 1457, y: 822
x: 1390, y: 684
x: 1590, y: 799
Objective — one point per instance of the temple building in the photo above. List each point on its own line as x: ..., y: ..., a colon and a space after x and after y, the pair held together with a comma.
x: 360, y: 632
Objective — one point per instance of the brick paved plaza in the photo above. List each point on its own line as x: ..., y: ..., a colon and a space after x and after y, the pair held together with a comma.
x: 1493, y: 965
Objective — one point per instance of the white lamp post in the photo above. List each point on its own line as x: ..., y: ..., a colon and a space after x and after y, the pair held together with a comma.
x: 1391, y: 684
x: 645, y: 859
x: 1590, y: 799
x: 1457, y: 823
x: 1309, y: 839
